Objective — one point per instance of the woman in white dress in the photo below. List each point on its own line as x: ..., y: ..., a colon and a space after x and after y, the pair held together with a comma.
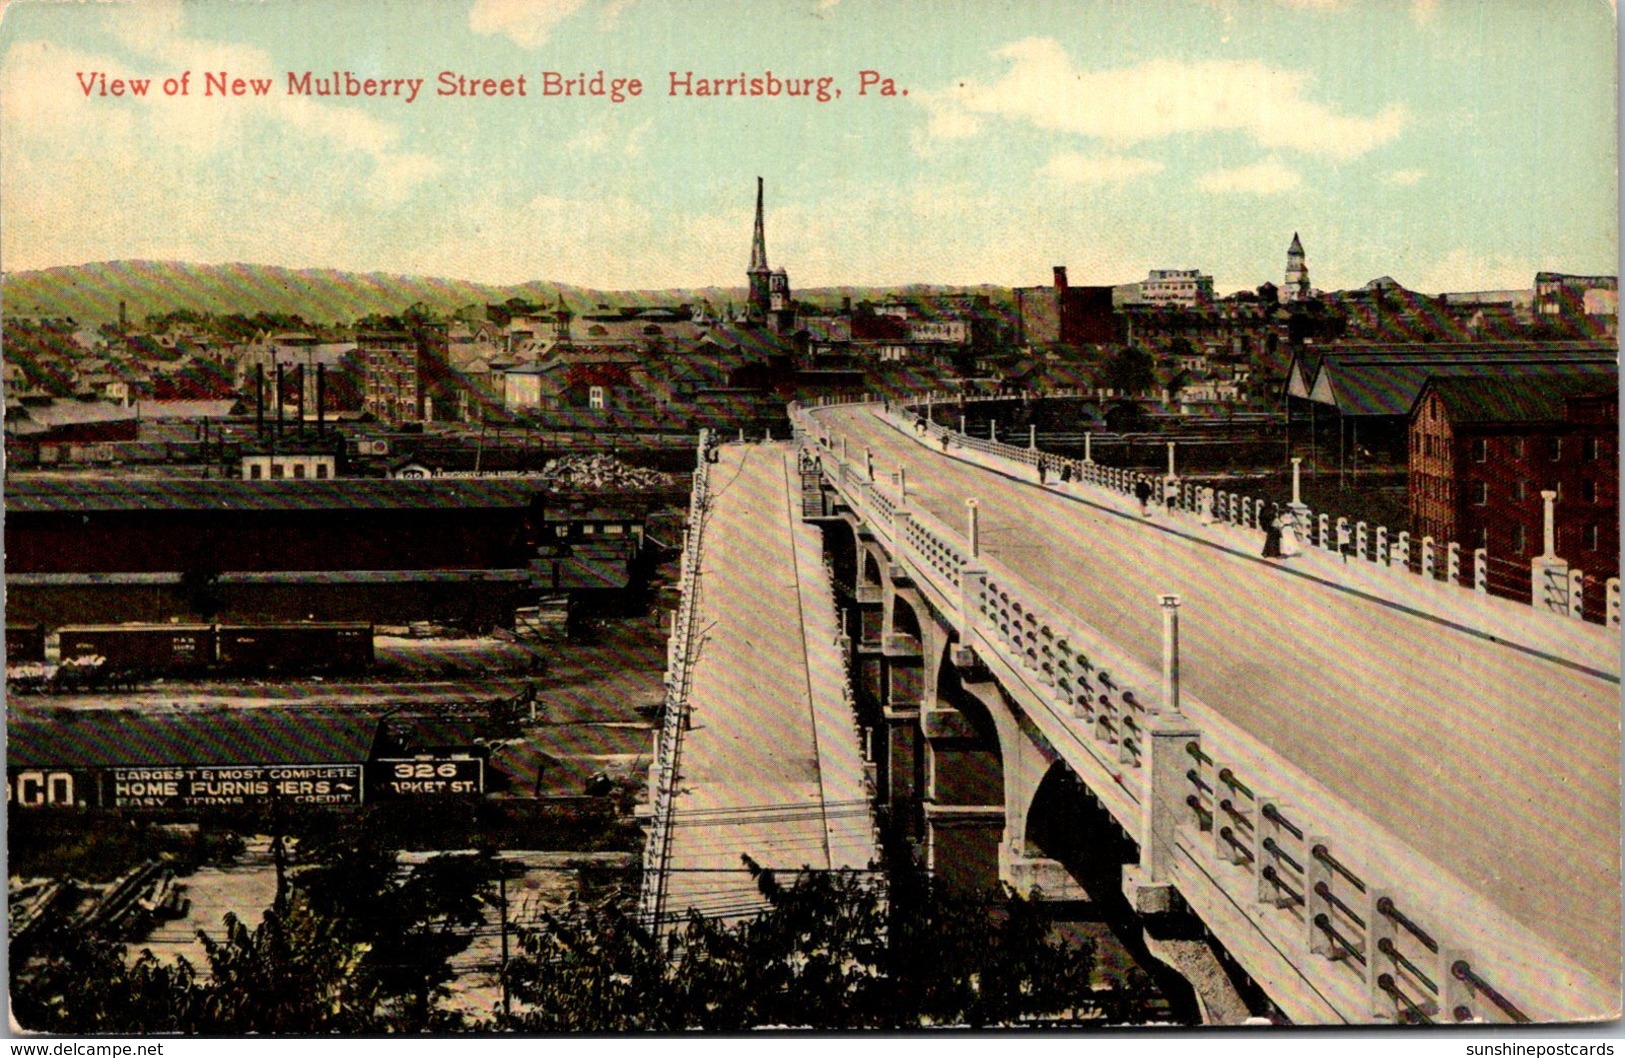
x: 1289, y: 535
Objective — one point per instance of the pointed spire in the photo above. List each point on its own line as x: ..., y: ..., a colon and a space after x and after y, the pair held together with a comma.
x: 1296, y: 247
x: 758, y: 245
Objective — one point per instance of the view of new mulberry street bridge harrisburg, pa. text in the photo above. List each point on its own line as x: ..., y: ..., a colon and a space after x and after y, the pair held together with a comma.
x: 1156, y: 564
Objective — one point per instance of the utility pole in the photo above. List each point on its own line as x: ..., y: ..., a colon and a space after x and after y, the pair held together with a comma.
x: 502, y: 884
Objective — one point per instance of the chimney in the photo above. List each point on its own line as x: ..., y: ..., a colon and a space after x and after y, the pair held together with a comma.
x: 846, y: 304
x: 1060, y: 277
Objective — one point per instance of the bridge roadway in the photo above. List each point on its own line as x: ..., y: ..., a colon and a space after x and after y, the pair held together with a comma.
x: 772, y: 767
x: 1498, y: 763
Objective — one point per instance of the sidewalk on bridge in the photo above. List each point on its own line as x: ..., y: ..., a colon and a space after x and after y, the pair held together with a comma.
x: 771, y: 768
x: 1581, y: 643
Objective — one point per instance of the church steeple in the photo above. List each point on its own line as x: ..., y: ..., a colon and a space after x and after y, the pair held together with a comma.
x: 758, y: 243
x: 759, y: 274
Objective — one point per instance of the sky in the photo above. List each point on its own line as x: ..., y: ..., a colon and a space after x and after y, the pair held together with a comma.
x: 1451, y: 144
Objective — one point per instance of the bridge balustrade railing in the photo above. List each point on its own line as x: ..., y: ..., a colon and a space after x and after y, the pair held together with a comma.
x: 675, y: 704
x: 1371, y: 545
x: 1266, y: 854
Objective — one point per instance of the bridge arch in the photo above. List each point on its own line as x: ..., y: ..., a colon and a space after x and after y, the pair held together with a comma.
x: 964, y: 779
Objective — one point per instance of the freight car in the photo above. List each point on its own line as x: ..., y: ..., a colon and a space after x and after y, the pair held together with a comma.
x: 151, y: 650
x: 24, y: 644
x: 304, y: 647
x: 156, y: 648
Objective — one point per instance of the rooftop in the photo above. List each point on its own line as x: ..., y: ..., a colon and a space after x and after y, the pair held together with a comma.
x: 212, y: 737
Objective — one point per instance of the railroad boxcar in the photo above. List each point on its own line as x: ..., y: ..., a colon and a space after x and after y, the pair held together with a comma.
x: 300, y: 647
x: 157, y: 648
x: 25, y: 643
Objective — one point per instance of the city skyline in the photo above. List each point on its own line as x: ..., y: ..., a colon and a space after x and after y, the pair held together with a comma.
x: 1108, y: 137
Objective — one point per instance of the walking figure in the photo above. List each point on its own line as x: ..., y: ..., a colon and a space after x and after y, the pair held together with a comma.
x: 1066, y: 472
x: 1272, y: 537
x: 1142, y: 492
x: 1041, y: 472
x: 869, y: 463
x: 1289, y: 535
x: 945, y: 441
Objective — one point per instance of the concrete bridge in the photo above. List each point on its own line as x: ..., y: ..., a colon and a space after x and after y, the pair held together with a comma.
x: 1384, y: 797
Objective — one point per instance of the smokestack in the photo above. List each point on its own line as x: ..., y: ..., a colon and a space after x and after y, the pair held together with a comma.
x: 279, y: 400
x: 1060, y: 277
x: 321, y: 400
x: 846, y: 304
x: 259, y: 400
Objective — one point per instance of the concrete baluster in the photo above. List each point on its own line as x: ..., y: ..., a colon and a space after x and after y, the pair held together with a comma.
x: 1429, y: 559
x: 1360, y: 541
x: 1342, y: 533
x: 1317, y: 873
x: 1323, y: 535
x: 1576, y: 594
x: 1265, y: 828
x: 1549, y: 575
x: 1452, y: 562
x: 1402, y: 550
x: 1226, y: 850
x: 1382, y: 545
x: 1247, y: 511
x: 1613, y: 602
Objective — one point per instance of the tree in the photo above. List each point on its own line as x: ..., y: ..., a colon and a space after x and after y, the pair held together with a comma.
x: 74, y: 984
x: 834, y: 950
x: 409, y: 925
x: 1129, y: 370
x: 295, y: 973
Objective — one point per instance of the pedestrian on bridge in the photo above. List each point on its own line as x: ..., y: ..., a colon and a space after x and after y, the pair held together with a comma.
x: 1142, y: 492
x: 1042, y: 471
x: 1272, y: 537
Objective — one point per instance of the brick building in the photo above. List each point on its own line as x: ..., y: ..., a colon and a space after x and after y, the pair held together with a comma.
x: 389, y: 362
x: 1482, y: 448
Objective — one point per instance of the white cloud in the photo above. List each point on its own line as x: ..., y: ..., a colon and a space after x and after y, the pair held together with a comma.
x: 1158, y: 99
x: 1268, y: 177
x: 1422, y: 11
x: 611, y: 135
x: 1405, y: 177
x: 186, y: 177
x: 528, y: 23
x: 1095, y: 170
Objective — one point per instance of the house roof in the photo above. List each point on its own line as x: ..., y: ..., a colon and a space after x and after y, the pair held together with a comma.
x: 185, y: 409
x: 1526, y: 399
x: 53, y: 495
x: 1386, y: 380
x: 28, y: 419
x: 213, y: 737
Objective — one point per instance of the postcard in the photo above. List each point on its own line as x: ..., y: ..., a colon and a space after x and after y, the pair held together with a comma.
x: 617, y: 516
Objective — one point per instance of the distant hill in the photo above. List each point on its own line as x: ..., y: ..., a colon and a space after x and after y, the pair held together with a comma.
x: 91, y: 293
